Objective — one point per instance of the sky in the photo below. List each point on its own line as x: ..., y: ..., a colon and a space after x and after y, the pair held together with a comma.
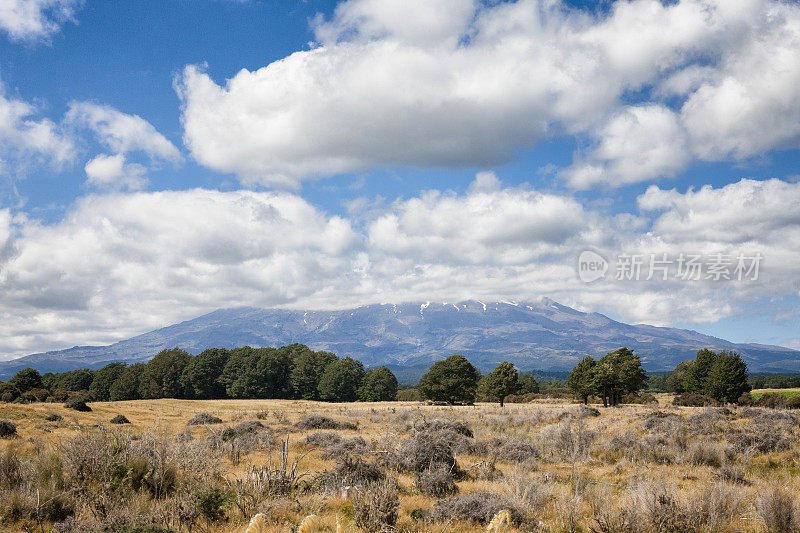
x: 162, y: 159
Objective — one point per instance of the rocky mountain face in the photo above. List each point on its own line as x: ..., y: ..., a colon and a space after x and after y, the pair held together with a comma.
x: 408, y: 337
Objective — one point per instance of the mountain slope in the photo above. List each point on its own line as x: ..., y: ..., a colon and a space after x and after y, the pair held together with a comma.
x: 536, y: 336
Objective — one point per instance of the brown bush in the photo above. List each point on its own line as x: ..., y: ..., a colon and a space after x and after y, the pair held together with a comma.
x: 772, y: 400
x: 478, y: 507
x: 776, y: 507
x: 202, y: 419
x: 375, y: 509
x: 437, y: 482
x: 693, y: 399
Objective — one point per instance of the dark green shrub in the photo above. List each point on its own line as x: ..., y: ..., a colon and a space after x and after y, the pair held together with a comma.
x: 202, y: 419
x: 77, y: 403
x: 120, y: 419
x: 212, y: 504
x: 323, y: 422
x: 7, y: 429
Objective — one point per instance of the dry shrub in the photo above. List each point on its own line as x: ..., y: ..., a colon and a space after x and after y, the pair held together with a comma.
x: 250, y: 426
x: 334, y: 445
x: 701, y: 453
x: 441, y: 426
x: 569, y: 440
x: 424, y: 451
x: 375, y: 508
x: 437, y: 482
x: 661, y: 421
x: 478, y: 507
x: 53, y: 417
x: 777, y: 508
x: 349, y: 473
x: 323, y: 422
x: 526, y: 495
x: 513, y: 450
x: 765, y: 441
x: 661, y: 509
x: 202, y: 419
x: 693, y: 399
x: 771, y: 400
x: 717, y: 505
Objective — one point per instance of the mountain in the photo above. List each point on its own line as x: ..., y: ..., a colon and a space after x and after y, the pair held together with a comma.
x: 409, y: 337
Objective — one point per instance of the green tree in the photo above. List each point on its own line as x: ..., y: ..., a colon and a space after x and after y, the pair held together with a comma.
x: 274, y: 370
x: 677, y: 377
x: 341, y: 381
x: 528, y: 383
x: 727, y: 379
x: 501, y: 382
x: 202, y: 377
x: 27, y: 379
x: 126, y: 387
x: 239, y: 376
x: 73, y: 380
x: 307, y: 370
x: 162, y: 374
x: 104, y: 378
x: 696, y: 375
x: 619, y: 373
x: 379, y: 385
x: 582, y: 380
x: 453, y: 380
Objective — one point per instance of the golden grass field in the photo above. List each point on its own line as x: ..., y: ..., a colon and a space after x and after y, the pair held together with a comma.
x: 592, y: 473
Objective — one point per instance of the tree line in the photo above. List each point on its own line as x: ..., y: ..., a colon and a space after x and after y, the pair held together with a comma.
x: 289, y: 372
x: 721, y: 377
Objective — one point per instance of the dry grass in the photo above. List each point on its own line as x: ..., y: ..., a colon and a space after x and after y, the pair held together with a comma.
x: 552, y: 467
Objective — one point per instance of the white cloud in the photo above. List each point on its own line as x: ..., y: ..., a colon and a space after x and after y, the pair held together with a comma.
x: 120, y: 264
x: 122, y: 134
x: 112, y: 171
x: 489, y: 226
x: 384, y: 87
x: 26, y: 139
x: 35, y: 19
x: 638, y: 144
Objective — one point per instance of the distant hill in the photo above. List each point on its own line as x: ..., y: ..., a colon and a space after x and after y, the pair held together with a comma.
x: 409, y: 337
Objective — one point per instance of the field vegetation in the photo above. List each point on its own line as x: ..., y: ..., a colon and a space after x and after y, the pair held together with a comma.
x: 203, y: 465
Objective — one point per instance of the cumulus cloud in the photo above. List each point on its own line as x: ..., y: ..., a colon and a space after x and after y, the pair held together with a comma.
x: 487, y: 226
x: 123, y: 263
x: 122, y: 134
x: 382, y: 87
x: 35, y: 19
x: 120, y: 262
x: 27, y: 139
x: 638, y: 144
x: 112, y: 171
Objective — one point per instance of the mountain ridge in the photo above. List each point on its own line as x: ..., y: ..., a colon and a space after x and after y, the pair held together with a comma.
x: 543, y: 335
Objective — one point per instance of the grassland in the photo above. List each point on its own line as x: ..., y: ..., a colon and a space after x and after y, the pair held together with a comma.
x: 555, y: 466
x: 789, y: 393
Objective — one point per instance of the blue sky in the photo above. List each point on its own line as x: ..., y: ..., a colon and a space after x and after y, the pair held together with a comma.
x: 159, y: 160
